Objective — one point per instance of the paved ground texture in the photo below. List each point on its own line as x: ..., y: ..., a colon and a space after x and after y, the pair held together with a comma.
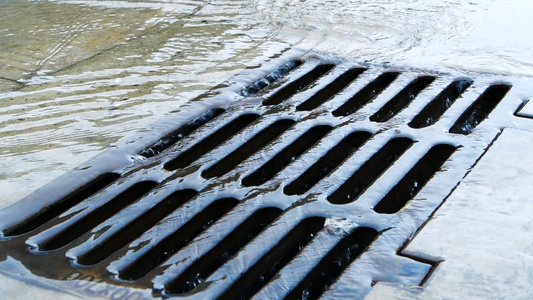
x: 76, y: 76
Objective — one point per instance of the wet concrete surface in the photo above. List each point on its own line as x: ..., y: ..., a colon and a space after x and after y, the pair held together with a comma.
x: 77, y: 76
x: 482, y: 233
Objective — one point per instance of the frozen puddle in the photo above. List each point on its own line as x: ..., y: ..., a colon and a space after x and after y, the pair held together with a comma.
x: 302, y: 179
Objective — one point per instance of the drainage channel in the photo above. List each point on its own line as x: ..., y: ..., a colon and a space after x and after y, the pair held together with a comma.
x: 300, y: 192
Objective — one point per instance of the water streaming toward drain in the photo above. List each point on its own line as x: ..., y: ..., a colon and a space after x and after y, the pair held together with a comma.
x: 119, y: 66
x: 481, y: 36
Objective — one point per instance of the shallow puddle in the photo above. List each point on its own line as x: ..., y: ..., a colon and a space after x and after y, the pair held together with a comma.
x: 79, y: 77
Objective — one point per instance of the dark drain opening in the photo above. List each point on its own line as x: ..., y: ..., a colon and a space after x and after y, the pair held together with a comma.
x: 480, y: 109
x: 333, y: 264
x: 256, y: 250
x: 62, y: 205
x: 271, y: 78
x: 366, y: 94
x: 247, y: 149
x: 271, y: 263
x: 330, y: 90
x: 97, y: 216
x: 438, y: 106
x: 350, y: 190
x: 209, y: 143
x: 402, y: 99
x: 180, y: 133
x: 285, y: 156
x: 197, y: 272
x: 299, y: 84
x: 415, y: 179
x: 327, y: 163
x: 136, y: 227
x: 177, y: 240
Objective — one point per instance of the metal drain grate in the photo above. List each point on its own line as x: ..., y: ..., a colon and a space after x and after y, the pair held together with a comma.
x: 309, y: 188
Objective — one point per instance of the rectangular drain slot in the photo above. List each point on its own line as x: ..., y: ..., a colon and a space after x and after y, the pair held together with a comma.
x: 438, y: 106
x: 327, y: 163
x: 271, y: 263
x: 176, y: 241
x: 366, y: 94
x: 70, y: 233
x: 326, y: 272
x: 331, y: 89
x: 402, y: 99
x: 247, y: 149
x: 135, y: 228
x: 299, y: 84
x: 480, y: 109
x: 304, y: 155
x: 171, y: 138
x: 204, y: 266
x: 415, y: 179
x: 190, y: 155
x: 270, y: 78
x: 285, y: 156
x: 350, y: 190
x: 63, y: 205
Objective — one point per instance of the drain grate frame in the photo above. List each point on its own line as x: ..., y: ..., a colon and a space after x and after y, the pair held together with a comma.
x: 337, y: 113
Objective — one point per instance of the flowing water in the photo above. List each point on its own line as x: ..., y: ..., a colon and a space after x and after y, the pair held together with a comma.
x: 76, y: 76
x: 472, y: 35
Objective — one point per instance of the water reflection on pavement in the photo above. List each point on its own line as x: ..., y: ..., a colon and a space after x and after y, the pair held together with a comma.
x: 76, y: 76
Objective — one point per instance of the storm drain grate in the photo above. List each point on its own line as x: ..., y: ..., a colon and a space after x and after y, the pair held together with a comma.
x: 309, y: 188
